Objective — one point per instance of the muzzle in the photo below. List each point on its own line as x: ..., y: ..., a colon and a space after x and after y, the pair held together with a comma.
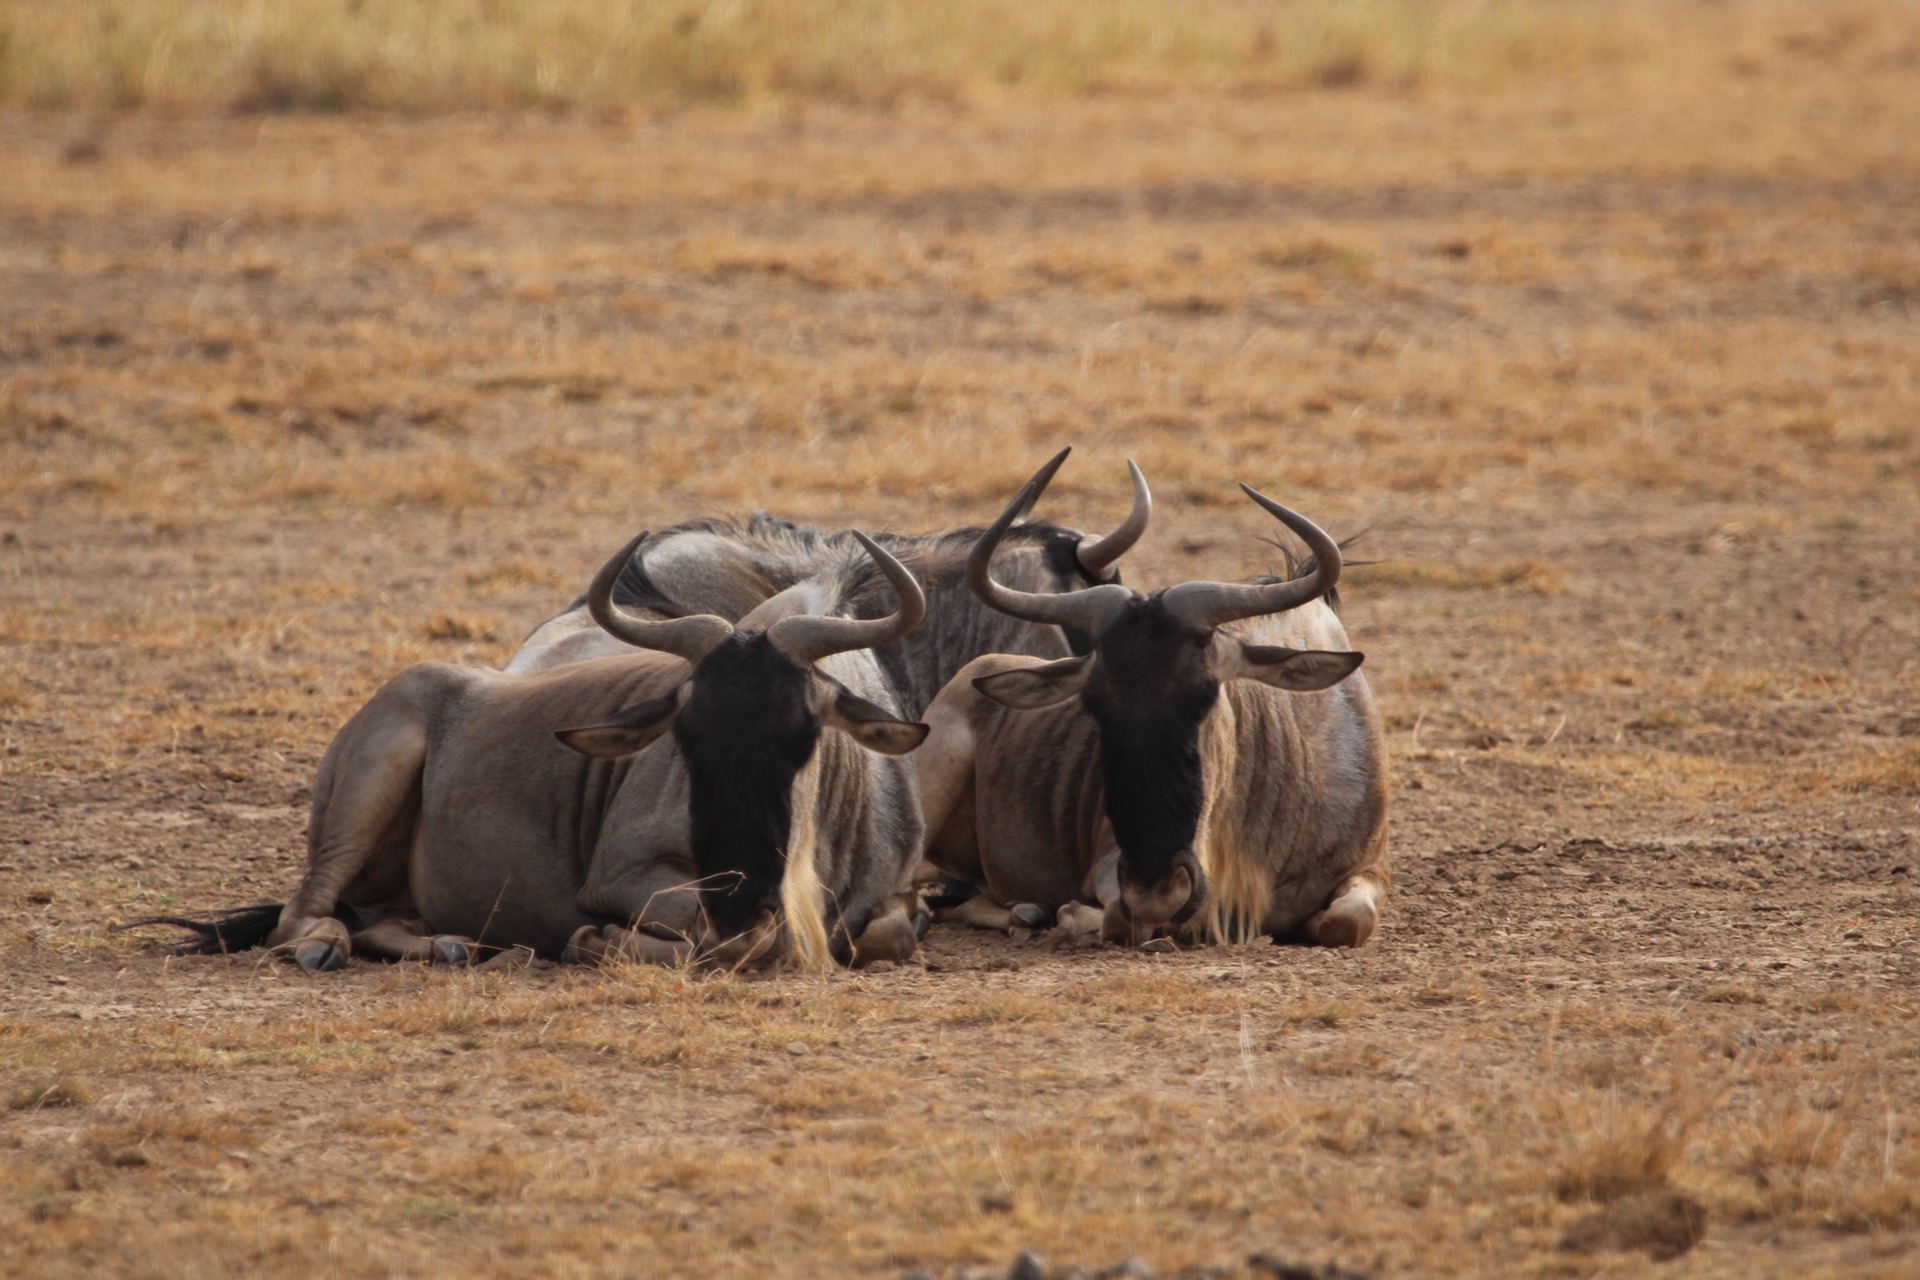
x: 1143, y: 910
x: 758, y: 946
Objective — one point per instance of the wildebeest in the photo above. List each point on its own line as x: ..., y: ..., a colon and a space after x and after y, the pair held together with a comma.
x: 1212, y: 769
x: 695, y: 803
x: 725, y: 568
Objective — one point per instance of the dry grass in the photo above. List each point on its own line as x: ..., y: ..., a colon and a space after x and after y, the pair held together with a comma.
x: 1527, y: 575
x: 1895, y: 769
x: 509, y: 1091
x: 329, y: 55
x: 1616, y: 1150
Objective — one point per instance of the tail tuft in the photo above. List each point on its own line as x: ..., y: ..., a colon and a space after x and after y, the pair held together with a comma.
x: 226, y: 932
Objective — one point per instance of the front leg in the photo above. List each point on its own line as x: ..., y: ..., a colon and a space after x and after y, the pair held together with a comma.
x: 607, y: 944
x: 654, y: 892
x: 982, y: 912
x: 1351, y: 915
x: 407, y: 938
x: 894, y: 933
x: 946, y: 762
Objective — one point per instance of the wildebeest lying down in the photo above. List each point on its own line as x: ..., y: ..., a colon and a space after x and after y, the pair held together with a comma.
x: 727, y: 568
x: 1211, y: 770
x: 715, y: 816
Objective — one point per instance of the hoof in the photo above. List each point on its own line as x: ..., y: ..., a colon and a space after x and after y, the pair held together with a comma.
x: 451, y: 950
x: 318, y: 955
x: 921, y: 919
x: 1028, y: 915
x: 1348, y: 921
x: 586, y: 946
x: 891, y: 938
x: 512, y: 960
x: 1079, y: 917
x: 1078, y: 925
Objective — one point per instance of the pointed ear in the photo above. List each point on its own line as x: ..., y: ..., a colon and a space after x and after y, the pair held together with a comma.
x: 873, y: 726
x: 1295, y: 670
x: 631, y: 730
x: 1029, y: 688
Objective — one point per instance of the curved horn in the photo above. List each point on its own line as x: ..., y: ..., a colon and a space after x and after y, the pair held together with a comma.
x: 689, y: 638
x: 809, y: 638
x: 1097, y: 554
x: 1089, y: 609
x: 1041, y: 479
x: 1208, y: 604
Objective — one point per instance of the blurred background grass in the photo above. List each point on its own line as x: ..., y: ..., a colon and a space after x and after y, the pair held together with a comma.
x: 439, y: 55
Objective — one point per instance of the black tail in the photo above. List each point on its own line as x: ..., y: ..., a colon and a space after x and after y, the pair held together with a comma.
x: 241, y: 929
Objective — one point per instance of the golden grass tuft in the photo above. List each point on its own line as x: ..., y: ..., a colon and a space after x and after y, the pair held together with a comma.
x: 454, y: 625
x: 1896, y: 769
x: 174, y: 1128
x: 1525, y: 574
x: 61, y: 1091
x: 1615, y: 1148
x: 16, y: 694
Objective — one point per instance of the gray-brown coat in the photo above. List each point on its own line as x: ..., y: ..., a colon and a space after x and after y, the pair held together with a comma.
x: 1212, y: 769
x: 728, y: 792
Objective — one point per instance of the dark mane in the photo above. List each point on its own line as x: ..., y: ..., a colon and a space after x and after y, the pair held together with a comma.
x: 939, y: 560
x: 772, y: 542
x: 784, y: 552
x: 1297, y: 564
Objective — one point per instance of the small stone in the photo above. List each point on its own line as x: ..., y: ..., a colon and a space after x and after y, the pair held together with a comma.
x: 994, y: 1202
x: 130, y: 1158
x: 798, y: 1048
x: 59, y: 979
x: 50, y: 1210
x: 135, y: 862
x: 1028, y: 1266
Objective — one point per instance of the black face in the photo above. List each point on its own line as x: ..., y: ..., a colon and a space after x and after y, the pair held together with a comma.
x: 745, y: 731
x: 1149, y: 690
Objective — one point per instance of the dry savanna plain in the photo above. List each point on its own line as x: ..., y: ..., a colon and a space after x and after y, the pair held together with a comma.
x: 1610, y: 344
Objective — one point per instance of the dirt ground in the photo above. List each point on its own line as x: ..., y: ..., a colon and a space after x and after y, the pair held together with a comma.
x: 1622, y: 386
